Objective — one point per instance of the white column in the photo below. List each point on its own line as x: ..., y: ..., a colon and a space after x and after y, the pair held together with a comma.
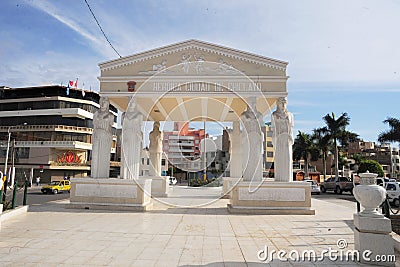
x: 235, y: 166
x: 252, y: 142
x: 155, y: 149
x: 12, y: 176
x: 31, y: 177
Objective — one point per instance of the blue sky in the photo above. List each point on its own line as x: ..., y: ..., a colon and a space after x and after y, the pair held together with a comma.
x: 344, y: 56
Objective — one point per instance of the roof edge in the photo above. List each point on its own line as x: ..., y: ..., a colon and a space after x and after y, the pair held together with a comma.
x: 128, y: 59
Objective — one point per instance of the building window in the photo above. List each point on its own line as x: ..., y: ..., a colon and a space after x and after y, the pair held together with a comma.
x: 270, y: 154
x: 148, y: 161
x: 142, y: 161
x: 166, y: 141
x: 22, y: 152
x: 269, y: 144
x: 163, y: 162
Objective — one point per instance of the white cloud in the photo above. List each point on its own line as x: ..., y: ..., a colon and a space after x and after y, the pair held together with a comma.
x: 95, y: 41
x: 53, y: 68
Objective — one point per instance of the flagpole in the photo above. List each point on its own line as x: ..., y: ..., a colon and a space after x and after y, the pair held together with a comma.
x: 205, y: 153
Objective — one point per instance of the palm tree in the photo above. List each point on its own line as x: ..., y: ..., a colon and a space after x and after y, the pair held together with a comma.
x: 303, y: 148
x: 336, y: 128
x: 393, y: 134
x: 322, y: 142
x: 357, y: 160
x: 347, y: 137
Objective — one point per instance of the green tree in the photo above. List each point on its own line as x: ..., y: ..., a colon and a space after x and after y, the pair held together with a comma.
x: 336, y: 128
x: 342, y: 161
x: 345, y: 138
x: 371, y: 166
x: 357, y: 158
x: 322, y: 142
x: 303, y: 148
x: 393, y: 134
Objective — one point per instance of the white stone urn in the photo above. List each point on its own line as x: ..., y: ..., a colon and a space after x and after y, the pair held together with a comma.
x: 370, y: 195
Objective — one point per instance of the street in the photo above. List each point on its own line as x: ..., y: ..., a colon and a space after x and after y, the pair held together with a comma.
x: 338, y: 199
x: 35, y: 196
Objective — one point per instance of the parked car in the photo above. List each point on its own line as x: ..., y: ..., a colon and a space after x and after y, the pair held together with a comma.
x: 344, y: 184
x: 57, y: 186
x: 382, y: 181
x: 172, y: 180
x: 393, y: 192
x: 314, y: 187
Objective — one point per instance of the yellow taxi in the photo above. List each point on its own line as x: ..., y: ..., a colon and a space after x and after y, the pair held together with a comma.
x: 57, y: 186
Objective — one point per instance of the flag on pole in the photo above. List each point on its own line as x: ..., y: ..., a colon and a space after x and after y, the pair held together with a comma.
x: 74, y: 84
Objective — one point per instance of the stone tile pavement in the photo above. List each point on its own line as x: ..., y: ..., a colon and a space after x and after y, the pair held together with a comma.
x: 50, y: 235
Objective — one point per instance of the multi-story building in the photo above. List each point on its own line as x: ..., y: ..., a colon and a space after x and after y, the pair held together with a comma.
x: 383, y: 153
x: 182, y: 146
x: 269, y: 148
x: 395, y: 162
x: 145, y: 163
x: 361, y: 147
x: 51, y: 131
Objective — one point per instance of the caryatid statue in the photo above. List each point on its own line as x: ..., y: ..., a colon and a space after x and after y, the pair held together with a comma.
x: 155, y: 150
x: 102, y: 139
x: 282, y: 140
x: 132, y: 138
x: 252, y: 143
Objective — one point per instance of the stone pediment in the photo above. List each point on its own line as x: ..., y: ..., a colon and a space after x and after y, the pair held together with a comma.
x: 193, y: 57
x: 192, y: 80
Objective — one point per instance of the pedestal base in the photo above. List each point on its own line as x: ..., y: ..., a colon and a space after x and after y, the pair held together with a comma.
x: 159, y: 186
x: 278, y: 198
x: 110, y: 194
x: 373, y: 234
x: 228, y: 185
x: 1, y: 212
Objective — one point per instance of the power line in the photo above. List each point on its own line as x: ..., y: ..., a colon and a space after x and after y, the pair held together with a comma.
x: 101, y: 29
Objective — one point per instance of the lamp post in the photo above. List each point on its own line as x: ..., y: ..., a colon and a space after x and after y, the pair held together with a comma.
x: 6, y: 174
x: 4, y: 178
x: 8, y: 150
x: 205, y: 154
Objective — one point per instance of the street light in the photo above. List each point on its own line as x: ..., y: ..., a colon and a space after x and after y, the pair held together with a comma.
x: 8, y: 150
x: 5, y: 175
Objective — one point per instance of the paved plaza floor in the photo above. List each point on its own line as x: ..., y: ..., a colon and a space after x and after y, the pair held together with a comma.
x: 169, y: 235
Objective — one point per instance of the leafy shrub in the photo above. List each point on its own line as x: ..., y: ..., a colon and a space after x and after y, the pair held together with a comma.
x: 371, y: 166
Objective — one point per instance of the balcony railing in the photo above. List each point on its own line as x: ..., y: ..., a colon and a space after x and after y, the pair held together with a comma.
x: 29, y: 128
x: 175, y: 149
x: 55, y: 144
x: 174, y: 143
x: 181, y: 137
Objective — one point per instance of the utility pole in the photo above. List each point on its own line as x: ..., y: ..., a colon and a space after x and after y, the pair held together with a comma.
x: 5, y: 179
x: 8, y: 150
x: 205, y: 154
x: 12, y: 173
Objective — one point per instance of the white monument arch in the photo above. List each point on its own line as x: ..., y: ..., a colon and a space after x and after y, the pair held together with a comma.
x: 197, y: 81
